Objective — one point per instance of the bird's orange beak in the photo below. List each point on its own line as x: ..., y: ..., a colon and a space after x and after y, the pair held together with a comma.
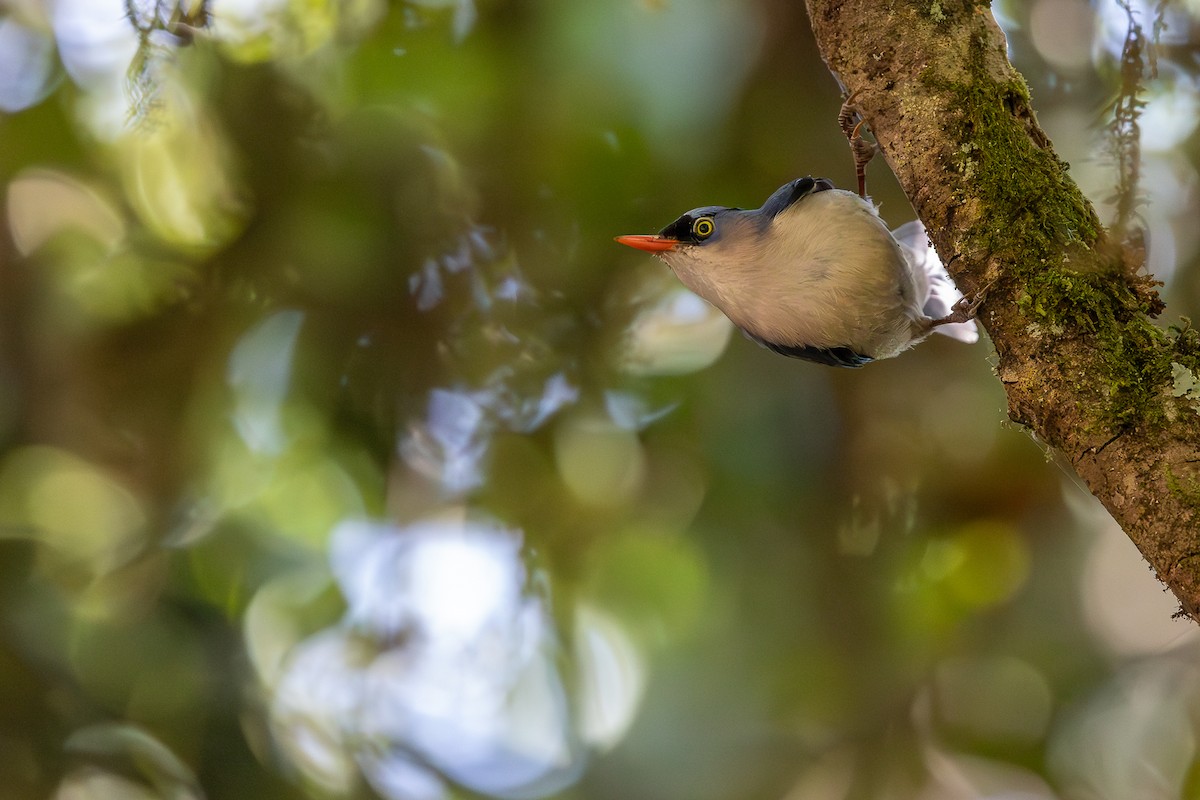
x: 649, y: 243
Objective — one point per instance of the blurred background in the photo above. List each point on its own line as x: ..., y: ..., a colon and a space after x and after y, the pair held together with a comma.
x: 345, y: 455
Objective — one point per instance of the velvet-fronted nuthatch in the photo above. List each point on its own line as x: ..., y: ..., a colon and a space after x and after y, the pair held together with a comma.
x: 815, y: 274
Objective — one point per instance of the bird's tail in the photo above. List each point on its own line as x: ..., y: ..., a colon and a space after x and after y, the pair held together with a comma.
x: 933, y: 281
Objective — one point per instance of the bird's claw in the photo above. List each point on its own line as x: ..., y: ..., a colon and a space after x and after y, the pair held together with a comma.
x: 851, y: 121
x: 848, y: 116
x: 964, y: 309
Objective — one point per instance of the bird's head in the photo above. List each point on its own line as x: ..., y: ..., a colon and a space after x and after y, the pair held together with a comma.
x: 712, y: 235
x: 709, y: 228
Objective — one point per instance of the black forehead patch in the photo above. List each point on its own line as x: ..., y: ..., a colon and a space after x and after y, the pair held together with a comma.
x: 681, y: 229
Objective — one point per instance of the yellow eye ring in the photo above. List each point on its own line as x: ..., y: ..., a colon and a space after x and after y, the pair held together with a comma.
x: 703, y: 228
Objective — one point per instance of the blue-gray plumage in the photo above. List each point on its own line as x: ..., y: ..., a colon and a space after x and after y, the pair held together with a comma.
x: 814, y: 273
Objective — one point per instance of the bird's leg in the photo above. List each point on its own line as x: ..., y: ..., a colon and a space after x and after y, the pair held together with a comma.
x: 964, y: 310
x: 851, y: 121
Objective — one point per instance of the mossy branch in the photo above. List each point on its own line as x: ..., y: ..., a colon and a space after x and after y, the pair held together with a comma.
x: 1083, y: 365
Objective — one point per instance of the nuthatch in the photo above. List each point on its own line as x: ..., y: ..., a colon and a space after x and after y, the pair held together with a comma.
x: 815, y: 274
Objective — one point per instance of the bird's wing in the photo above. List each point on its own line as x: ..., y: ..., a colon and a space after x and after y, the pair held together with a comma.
x: 789, y: 193
x: 831, y: 356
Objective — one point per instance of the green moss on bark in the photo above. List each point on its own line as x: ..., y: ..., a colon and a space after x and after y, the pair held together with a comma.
x: 1187, y: 490
x: 1009, y: 172
x: 1067, y: 279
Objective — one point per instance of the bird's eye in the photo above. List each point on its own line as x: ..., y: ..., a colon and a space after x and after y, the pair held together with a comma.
x: 703, y: 227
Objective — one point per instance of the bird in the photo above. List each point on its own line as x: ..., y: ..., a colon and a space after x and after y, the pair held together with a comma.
x: 814, y: 273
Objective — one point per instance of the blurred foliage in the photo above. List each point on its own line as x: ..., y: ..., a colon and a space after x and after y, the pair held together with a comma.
x: 345, y: 454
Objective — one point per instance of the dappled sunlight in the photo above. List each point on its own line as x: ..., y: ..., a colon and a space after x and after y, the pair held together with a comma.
x: 94, y: 784
x: 1124, y: 604
x: 43, y: 203
x: 1062, y: 33
x: 79, y: 512
x: 598, y: 461
x: 463, y: 14
x: 445, y: 667
x: 28, y: 70
x: 681, y: 65
x: 97, y: 46
x: 613, y: 677
x: 674, y: 331
x: 631, y: 411
x: 450, y: 581
x: 130, y: 749
x: 264, y: 30
x: 982, y: 565
x: 654, y: 581
x: 346, y: 454
x: 472, y: 248
x: 95, y: 40
x: 259, y: 374
x: 1134, y: 736
x: 176, y: 177
x: 956, y: 776
x: 299, y: 495
x: 998, y: 699
x: 1172, y: 110
x: 276, y: 464
x: 451, y: 444
x: 80, y: 236
x: 960, y: 421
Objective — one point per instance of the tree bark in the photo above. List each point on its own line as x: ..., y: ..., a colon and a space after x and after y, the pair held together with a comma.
x: 1082, y: 364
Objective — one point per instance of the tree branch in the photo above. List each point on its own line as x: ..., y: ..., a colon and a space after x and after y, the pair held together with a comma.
x: 1082, y: 364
